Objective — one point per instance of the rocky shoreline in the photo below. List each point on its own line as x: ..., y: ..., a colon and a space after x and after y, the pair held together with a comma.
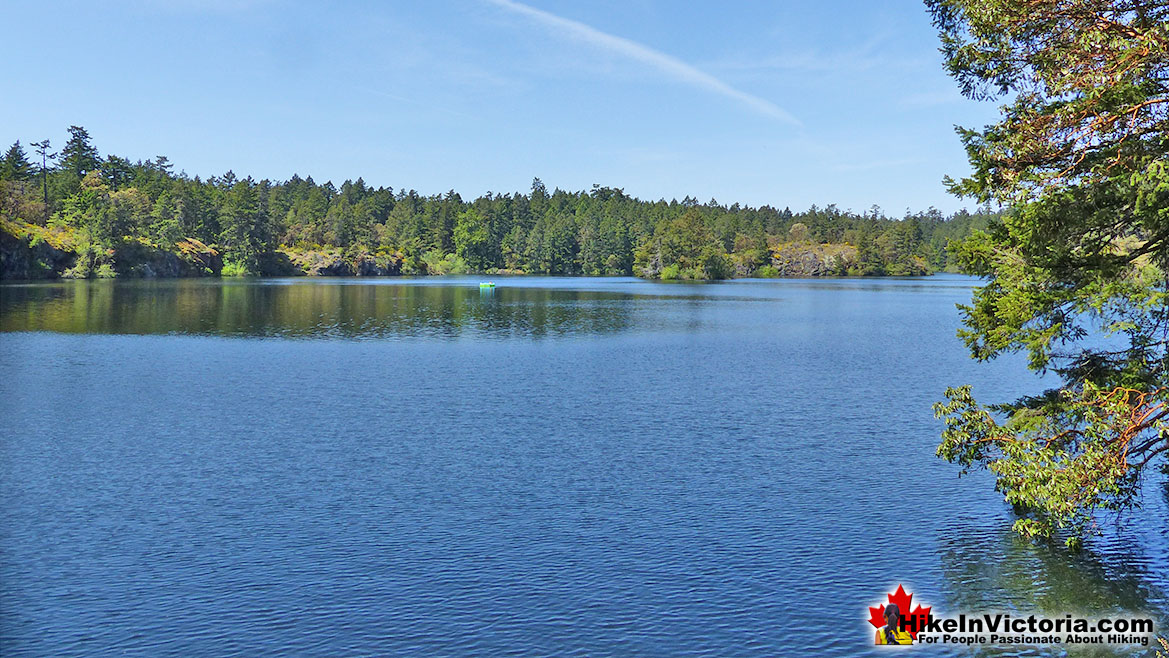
x: 32, y: 257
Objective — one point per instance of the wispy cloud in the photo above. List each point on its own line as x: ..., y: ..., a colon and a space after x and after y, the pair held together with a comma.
x: 666, y: 64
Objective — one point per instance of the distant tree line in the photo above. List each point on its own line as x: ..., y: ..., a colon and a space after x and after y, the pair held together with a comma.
x: 106, y: 203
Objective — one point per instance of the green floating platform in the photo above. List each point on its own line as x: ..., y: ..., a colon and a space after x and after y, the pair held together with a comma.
x: 487, y: 284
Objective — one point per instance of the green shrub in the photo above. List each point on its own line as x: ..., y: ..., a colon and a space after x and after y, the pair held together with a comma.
x: 433, y: 261
x: 671, y: 272
x: 233, y: 268
x: 716, y: 265
x: 79, y: 271
x: 439, y: 263
x: 767, y: 272
x: 412, y: 264
x: 456, y: 265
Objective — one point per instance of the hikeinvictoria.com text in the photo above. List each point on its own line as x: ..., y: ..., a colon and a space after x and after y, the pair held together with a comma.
x: 1002, y: 628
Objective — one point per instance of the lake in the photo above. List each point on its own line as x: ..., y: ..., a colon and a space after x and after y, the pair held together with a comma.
x: 564, y: 466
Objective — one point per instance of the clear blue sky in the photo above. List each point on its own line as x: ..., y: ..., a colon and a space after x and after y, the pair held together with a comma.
x: 783, y: 103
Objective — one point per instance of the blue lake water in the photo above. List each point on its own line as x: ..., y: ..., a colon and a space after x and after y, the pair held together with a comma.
x: 566, y: 466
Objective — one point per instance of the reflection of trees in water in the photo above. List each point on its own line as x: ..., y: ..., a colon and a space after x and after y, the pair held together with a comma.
x: 996, y: 570
x: 310, y: 309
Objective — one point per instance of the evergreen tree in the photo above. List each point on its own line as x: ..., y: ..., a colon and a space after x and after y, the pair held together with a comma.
x: 471, y: 239
x: 244, y: 232
x: 79, y: 156
x: 116, y: 171
x: 598, y: 231
x: 1081, y: 153
x: 15, y: 165
x: 42, y: 148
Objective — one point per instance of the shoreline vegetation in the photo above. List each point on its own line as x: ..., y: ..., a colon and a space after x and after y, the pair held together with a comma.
x: 75, y: 214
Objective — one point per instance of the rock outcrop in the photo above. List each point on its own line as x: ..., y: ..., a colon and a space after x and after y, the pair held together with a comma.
x: 804, y: 259
x: 192, y: 259
x: 30, y: 258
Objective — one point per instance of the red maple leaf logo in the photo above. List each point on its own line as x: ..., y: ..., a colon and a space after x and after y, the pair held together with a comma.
x: 902, y: 600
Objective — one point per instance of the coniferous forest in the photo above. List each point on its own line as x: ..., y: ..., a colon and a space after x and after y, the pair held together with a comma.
x: 75, y: 213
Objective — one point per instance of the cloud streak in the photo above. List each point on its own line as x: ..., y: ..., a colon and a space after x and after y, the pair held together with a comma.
x: 670, y: 66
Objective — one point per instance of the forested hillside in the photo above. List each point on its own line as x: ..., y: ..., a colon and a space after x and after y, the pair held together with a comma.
x: 75, y: 213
